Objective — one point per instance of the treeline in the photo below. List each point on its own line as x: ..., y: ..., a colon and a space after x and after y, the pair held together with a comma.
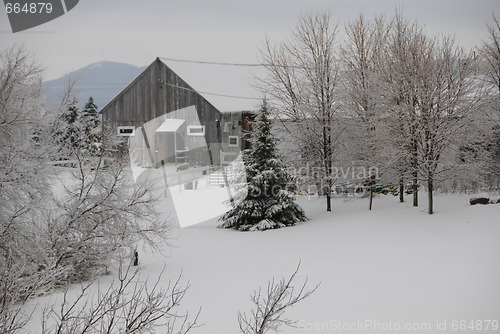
x: 417, y: 107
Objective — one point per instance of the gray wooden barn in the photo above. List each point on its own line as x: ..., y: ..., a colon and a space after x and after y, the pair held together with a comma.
x: 166, y: 121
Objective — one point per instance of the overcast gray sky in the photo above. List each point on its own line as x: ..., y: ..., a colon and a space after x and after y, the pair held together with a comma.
x: 137, y: 31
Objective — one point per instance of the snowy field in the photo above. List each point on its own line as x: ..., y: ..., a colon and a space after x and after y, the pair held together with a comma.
x: 392, y: 267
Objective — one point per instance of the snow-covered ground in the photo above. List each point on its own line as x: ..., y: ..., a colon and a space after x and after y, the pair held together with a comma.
x: 389, y: 268
x: 199, y: 202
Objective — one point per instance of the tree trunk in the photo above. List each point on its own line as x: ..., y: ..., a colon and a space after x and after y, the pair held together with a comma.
x: 401, y: 190
x: 371, y: 197
x: 415, y: 189
x: 430, y: 186
x: 414, y: 165
x: 328, y: 202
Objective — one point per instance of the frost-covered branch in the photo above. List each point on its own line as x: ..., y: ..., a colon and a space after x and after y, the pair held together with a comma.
x: 271, y: 304
x: 130, y: 305
x: 302, y: 83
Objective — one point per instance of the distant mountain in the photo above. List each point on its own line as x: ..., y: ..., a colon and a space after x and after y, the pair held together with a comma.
x: 102, y: 80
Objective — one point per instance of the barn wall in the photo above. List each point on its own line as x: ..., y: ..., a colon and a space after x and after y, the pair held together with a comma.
x: 158, y: 93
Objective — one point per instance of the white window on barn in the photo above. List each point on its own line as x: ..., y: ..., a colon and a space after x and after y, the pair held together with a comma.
x: 125, y: 131
x: 233, y: 141
x: 196, y: 130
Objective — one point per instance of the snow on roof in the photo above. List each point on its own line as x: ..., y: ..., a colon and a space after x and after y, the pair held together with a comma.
x: 170, y: 125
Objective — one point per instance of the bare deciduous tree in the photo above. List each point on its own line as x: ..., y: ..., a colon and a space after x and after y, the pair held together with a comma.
x: 128, y: 306
x: 431, y: 89
x: 15, y: 290
x: 271, y: 304
x: 362, y: 55
x: 22, y: 169
x: 302, y: 78
x: 490, y: 56
x: 449, y: 91
x: 45, y: 240
x: 490, y: 52
x: 400, y: 89
x: 23, y: 183
x: 99, y: 216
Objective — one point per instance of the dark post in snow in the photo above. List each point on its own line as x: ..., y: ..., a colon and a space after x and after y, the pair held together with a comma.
x: 136, y: 258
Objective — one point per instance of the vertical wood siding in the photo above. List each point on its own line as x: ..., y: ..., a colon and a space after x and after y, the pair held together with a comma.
x: 158, y: 93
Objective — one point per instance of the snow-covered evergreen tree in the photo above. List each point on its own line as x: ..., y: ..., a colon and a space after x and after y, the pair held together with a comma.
x: 90, y: 113
x: 270, y: 201
x: 67, y: 135
x: 89, y: 122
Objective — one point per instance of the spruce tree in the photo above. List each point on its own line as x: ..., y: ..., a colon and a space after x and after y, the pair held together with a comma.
x: 270, y: 201
x: 89, y: 121
x: 90, y: 112
x: 67, y: 134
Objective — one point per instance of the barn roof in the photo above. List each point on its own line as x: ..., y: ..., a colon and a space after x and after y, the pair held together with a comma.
x: 103, y: 109
x: 181, y: 85
x: 224, y: 82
